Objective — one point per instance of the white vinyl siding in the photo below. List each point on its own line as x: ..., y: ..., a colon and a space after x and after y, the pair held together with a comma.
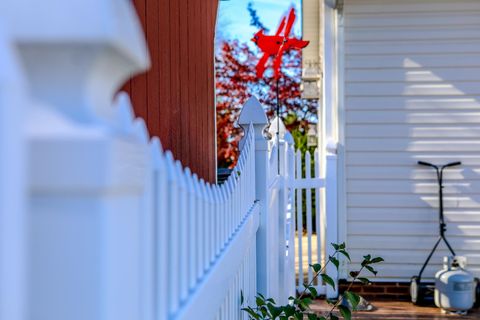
x: 412, y: 92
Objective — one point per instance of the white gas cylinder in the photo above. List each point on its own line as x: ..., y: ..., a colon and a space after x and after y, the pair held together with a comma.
x: 454, y: 286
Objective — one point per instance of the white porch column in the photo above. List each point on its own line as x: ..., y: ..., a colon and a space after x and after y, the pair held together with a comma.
x: 267, y: 267
x: 12, y: 183
x: 330, y: 118
x: 87, y: 166
x: 331, y: 227
x: 329, y: 75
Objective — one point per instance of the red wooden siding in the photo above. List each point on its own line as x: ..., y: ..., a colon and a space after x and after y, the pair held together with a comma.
x: 176, y: 96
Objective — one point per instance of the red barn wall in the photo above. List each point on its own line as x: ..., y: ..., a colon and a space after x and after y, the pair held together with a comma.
x: 176, y: 97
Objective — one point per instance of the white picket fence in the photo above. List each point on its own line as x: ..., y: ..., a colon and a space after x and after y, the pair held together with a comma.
x: 304, y: 246
x: 311, y: 216
x: 96, y: 220
x: 210, y: 243
x: 303, y: 201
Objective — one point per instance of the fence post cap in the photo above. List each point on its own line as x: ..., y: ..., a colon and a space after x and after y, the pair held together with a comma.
x: 85, y: 48
x: 277, y: 125
x: 331, y: 147
x: 252, y: 112
x: 110, y: 22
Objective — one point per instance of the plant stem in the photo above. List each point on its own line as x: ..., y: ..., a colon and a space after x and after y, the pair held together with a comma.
x: 316, y: 276
x: 348, y: 289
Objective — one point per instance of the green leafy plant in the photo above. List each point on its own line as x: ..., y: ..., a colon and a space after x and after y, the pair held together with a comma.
x: 298, y: 308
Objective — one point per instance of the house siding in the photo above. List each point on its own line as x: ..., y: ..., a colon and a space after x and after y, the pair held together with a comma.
x: 176, y: 97
x: 411, y: 92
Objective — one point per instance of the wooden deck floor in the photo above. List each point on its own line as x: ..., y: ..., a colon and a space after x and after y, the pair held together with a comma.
x: 400, y: 311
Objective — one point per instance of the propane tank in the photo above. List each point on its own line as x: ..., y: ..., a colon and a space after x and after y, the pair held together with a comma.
x: 454, y: 286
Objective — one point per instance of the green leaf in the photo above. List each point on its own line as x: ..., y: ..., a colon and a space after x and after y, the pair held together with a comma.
x: 260, y: 301
x: 353, y: 298
x: 251, y: 312
x: 334, y: 261
x: 312, y: 316
x: 241, y: 297
x: 305, y: 303
x: 289, y: 310
x: 336, y: 246
x: 274, y: 311
x: 316, y: 267
x: 354, y: 274
x: 270, y: 308
x: 377, y: 260
x: 313, y: 291
x: 369, y: 268
x: 328, y: 280
x: 345, y: 253
x: 298, y: 315
x: 333, y: 317
x: 346, y: 313
x: 363, y: 280
x: 264, y: 311
x: 321, y: 318
x: 366, y: 260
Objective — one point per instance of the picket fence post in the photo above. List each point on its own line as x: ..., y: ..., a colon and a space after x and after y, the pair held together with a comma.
x: 331, y: 198
x: 88, y: 161
x: 290, y: 279
x: 278, y: 131
x: 13, y: 228
x: 253, y: 113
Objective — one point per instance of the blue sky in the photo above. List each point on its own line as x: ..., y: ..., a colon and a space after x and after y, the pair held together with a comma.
x: 234, y: 20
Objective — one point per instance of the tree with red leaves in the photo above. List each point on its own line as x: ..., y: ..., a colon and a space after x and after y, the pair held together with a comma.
x: 236, y: 81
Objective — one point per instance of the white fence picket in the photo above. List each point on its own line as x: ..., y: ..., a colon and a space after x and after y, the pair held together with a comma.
x: 223, y: 216
x: 204, y: 225
x: 230, y: 206
x: 148, y: 229
x: 308, y: 204
x: 211, y: 225
x: 318, y: 211
x: 299, y: 216
x: 183, y: 231
x: 198, y: 228
x: 173, y: 236
x: 191, y: 222
x: 216, y: 221
x: 161, y: 240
